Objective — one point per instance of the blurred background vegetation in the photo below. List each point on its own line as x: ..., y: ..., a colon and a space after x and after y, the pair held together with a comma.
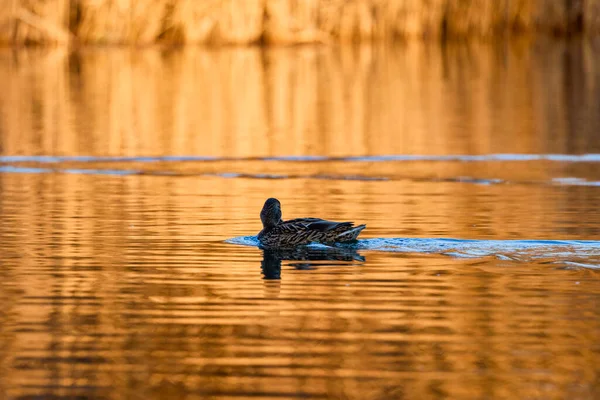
x: 143, y: 22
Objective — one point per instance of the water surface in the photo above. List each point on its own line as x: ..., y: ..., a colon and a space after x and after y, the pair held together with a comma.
x: 131, y: 183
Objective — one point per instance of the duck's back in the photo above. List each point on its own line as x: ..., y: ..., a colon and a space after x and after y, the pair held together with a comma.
x: 301, y: 231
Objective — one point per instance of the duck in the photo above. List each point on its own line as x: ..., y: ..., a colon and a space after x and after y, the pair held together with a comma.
x: 277, y: 233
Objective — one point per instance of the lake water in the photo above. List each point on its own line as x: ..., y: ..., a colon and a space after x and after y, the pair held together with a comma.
x: 131, y: 182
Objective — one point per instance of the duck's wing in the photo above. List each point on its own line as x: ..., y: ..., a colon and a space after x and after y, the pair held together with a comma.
x: 314, y: 224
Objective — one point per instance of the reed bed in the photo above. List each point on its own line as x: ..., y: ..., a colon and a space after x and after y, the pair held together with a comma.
x: 143, y: 22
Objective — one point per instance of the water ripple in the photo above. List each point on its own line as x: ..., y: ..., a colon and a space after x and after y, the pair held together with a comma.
x: 332, y: 177
x: 565, y: 251
x: 262, y: 168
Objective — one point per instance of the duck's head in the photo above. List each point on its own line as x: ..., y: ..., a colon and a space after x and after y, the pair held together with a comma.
x: 271, y: 213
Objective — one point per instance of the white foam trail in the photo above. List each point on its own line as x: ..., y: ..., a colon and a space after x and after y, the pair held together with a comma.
x: 583, y: 252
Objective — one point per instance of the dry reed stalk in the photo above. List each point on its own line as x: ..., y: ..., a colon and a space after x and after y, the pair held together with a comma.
x: 120, y: 21
x: 241, y: 21
x: 102, y: 21
x: 486, y: 18
x: 34, y: 21
x: 296, y: 21
x: 191, y: 21
x: 216, y: 21
x: 285, y: 21
x: 411, y: 18
x: 146, y: 20
x: 348, y: 20
x: 292, y: 21
x: 357, y: 21
x: 475, y: 17
x: 559, y: 17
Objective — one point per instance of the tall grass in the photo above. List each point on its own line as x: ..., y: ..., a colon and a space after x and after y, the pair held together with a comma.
x: 34, y: 21
x: 141, y: 22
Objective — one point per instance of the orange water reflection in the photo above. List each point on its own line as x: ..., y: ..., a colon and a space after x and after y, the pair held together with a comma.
x: 415, y: 99
x: 122, y: 286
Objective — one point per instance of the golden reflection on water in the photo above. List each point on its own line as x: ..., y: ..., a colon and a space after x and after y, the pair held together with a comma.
x: 122, y: 286
x: 415, y: 99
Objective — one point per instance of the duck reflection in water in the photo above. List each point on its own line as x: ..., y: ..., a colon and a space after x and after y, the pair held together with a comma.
x: 271, y: 263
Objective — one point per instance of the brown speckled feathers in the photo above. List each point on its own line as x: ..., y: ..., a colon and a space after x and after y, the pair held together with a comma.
x: 277, y: 233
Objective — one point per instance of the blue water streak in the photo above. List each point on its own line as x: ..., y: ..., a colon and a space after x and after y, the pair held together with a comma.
x: 30, y: 170
x: 570, y: 158
x: 24, y: 170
